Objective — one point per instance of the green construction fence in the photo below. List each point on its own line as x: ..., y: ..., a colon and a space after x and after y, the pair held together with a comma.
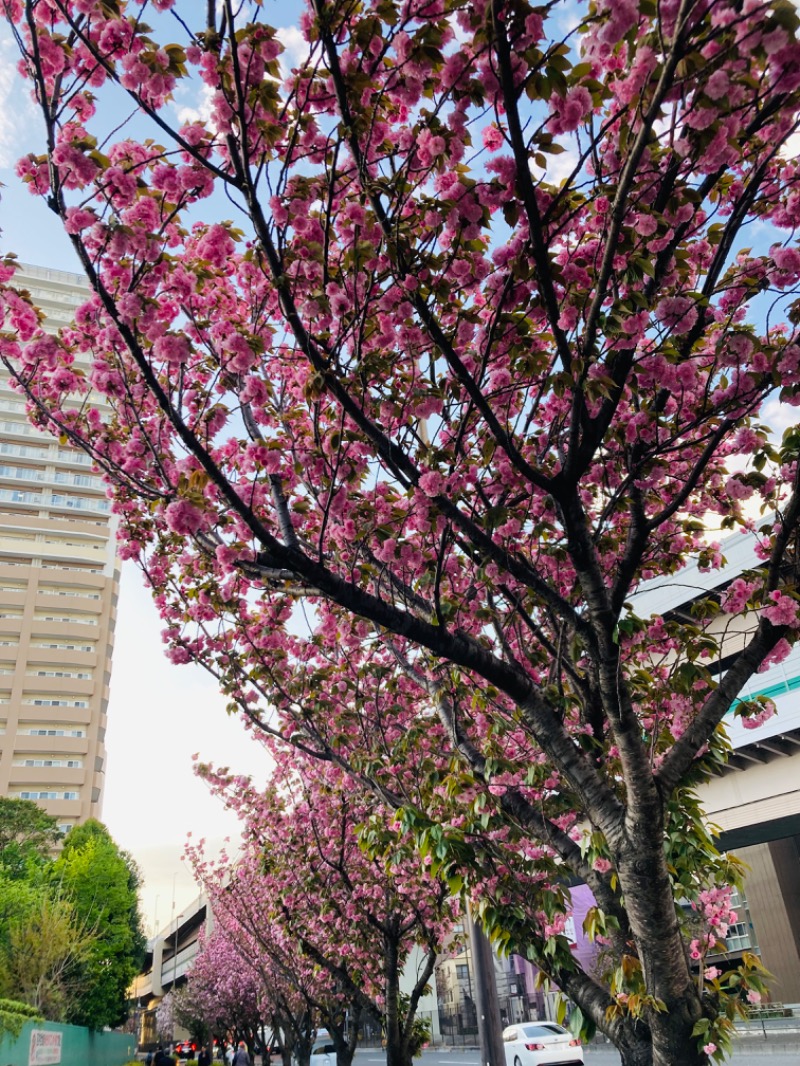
x: 52, y: 1044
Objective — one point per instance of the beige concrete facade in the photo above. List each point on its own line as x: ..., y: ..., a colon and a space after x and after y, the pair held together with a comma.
x: 59, y: 583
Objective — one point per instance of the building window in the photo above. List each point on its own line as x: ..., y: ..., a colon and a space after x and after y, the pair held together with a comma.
x: 51, y: 590
x: 73, y: 456
x: 23, y: 473
x: 78, y: 503
x: 57, y: 673
x: 55, y: 703
x: 70, y: 764
x: 55, y: 733
x: 63, y: 647
x: 25, y: 428
x: 17, y: 496
x: 49, y: 795
x: 83, y: 480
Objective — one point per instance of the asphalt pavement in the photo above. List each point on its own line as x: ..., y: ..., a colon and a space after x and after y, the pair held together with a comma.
x: 747, y: 1053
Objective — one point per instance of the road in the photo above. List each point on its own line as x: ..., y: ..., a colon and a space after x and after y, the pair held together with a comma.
x: 749, y: 1055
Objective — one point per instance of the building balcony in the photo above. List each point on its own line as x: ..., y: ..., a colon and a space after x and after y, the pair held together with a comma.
x: 69, y: 686
x: 48, y: 776
x: 24, y: 744
x: 78, y: 660
x: 32, y: 714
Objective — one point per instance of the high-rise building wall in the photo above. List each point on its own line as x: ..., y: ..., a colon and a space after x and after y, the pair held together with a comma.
x: 59, y: 583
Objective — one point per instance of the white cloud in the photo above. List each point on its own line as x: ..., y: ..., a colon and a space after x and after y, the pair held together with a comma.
x: 559, y: 167
x: 568, y: 16
x: 778, y: 416
x: 791, y: 150
x: 201, y: 112
x: 16, y: 106
x: 297, y: 49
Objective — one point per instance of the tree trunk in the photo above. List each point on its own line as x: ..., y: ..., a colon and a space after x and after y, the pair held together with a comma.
x: 640, y: 1054
x: 344, y: 1053
x: 490, y: 1028
x: 343, y: 1037
x: 673, y: 1043
x: 302, y: 1053
x: 396, y: 1048
x: 661, y: 949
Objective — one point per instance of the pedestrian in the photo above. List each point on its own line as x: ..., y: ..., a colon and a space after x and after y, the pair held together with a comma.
x: 160, y: 1059
x: 242, y: 1058
x: 148, y: 1061
x: 228, y: 1055
x: 204, y: 1058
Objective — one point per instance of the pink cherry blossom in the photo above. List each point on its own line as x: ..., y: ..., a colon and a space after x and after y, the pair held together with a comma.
x: 492, y: 138
x: 569, y: 111
x: 421, y: 356
x: 677, y: 313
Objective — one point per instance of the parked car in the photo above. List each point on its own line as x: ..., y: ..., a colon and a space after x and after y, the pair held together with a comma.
x: 541, y: 1044
x: 323, y: 1050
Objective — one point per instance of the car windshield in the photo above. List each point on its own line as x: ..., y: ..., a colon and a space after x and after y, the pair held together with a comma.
x: 543, y: 1030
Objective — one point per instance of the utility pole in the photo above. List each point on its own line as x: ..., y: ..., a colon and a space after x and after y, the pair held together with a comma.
x: 490, y: 1032
x: 175, y: 971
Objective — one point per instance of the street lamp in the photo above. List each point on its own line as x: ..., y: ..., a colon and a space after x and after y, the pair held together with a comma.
x: 175, y: 972
x: 175, y: 952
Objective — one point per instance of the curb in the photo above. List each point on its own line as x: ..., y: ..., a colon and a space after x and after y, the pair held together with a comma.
x: 764, y: 1047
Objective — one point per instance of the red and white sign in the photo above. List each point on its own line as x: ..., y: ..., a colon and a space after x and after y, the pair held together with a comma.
x: 45, y: 1048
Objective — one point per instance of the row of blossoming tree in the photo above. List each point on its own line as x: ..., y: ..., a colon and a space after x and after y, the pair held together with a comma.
x: 326, y: 931
x: 484, y: 346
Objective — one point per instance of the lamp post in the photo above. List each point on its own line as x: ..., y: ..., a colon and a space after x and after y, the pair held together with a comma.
x: 175, y: 972
x: 175, y: 952
x: 490, y: 1030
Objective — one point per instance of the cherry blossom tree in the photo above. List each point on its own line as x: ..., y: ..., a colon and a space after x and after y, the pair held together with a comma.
x: 354, y: 918
x: 224, y: 992
x: 483, y: 348
x: 290, y: 998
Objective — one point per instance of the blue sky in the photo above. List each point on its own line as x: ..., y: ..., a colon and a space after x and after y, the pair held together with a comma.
x: 159, y: 714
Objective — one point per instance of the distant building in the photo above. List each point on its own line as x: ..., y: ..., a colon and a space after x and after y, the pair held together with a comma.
x: 169, y: 957
x: 59, y: 583
x: 755, y: 801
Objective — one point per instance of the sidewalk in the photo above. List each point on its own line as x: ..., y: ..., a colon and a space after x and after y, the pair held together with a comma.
x: 775, y: 1044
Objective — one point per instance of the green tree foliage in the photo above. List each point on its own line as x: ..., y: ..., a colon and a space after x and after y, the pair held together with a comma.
x: 102, y: 882
x: 70, y: 931
x: 18, y: 901
x: 45, y: 944
x: 38, y: 938
x: 28, y: 836
x: 13, y: 1016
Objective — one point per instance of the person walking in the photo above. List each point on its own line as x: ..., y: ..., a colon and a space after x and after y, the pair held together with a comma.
x: 204, y: 1058
x: 242, y: 1058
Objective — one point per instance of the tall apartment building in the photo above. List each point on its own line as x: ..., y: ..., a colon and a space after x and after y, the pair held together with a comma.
x: 59, y: 583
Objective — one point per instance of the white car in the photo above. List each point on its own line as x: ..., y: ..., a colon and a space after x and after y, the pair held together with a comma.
x: 541, y: 1044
